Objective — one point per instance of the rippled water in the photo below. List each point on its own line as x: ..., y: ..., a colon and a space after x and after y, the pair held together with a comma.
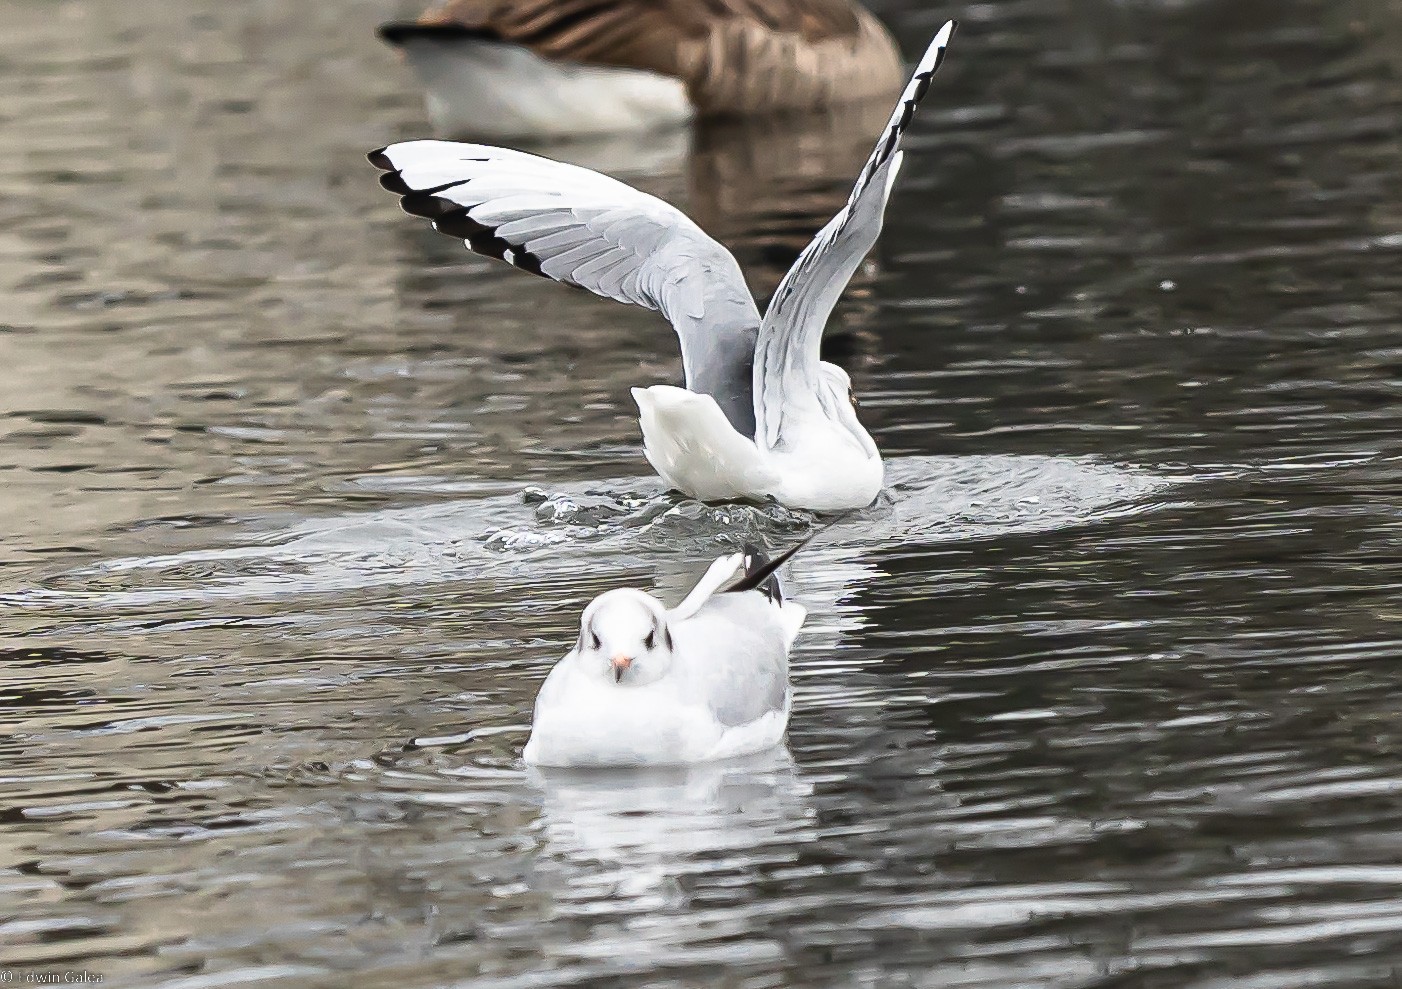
x: 301, y: 502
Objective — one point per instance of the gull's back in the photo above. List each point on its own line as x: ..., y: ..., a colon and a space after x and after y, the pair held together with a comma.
x: 732, y: 656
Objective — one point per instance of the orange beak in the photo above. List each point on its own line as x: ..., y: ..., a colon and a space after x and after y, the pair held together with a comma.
x: 619, y: 662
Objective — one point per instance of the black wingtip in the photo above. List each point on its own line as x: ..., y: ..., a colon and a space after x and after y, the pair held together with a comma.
x: 756, y: 576
x: 380, y: 160
x: 394, y: 182
x: 428, y: 206
x: 755, y: 560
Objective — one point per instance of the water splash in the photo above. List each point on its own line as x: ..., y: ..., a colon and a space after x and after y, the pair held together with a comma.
x: 549, y: 534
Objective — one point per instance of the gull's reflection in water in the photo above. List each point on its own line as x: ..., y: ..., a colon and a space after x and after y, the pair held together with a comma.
x: 631, y: 833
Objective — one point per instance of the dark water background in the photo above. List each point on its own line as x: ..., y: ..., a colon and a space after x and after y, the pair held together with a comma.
x: 1104, y: 693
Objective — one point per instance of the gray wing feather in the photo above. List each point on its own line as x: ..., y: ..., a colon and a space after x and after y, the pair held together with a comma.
x: 576, y: 226
x: 736, y: 656
x: 786, y: 355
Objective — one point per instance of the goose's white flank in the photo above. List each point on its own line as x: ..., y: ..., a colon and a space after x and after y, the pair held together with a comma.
x: 650, y: 686
x: 495, y: 69
x: 762, y: 416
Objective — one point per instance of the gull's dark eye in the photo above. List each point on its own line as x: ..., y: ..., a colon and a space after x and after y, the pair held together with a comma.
x: 594, y: 636
x: 651, y: 640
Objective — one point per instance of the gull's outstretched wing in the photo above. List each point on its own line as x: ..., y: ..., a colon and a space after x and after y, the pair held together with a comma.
x: 786, y: 356
x: 576, y: 226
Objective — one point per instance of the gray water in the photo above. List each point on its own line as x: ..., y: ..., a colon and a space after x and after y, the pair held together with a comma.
x: 301, y: 502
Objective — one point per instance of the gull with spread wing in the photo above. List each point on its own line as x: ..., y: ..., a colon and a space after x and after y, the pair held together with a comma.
x: 761, y: 416
x: 646, y: 685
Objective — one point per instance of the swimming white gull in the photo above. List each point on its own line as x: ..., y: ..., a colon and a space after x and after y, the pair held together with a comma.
x: 646, y: 685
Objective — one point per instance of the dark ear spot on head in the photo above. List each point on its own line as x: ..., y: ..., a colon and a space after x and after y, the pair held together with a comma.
x: 667, y: 637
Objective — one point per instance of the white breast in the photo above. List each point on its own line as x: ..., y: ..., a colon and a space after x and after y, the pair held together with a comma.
x: 587, y: 721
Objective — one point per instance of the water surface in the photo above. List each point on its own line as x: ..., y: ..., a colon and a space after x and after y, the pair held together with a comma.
x: 301, y: 501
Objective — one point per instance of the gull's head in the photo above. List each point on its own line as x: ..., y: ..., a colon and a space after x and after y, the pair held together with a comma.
x: 624, y: 636
x: 840, y: 405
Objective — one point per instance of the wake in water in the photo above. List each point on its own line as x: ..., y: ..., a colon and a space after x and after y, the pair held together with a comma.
x: 538, y: 536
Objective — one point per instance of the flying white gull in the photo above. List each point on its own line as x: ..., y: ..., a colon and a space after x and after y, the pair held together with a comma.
x: 561, y: 68
x: 761, y: 415
x: 649, y: 686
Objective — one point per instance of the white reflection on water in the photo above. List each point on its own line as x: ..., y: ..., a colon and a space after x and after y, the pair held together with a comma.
x: 656, y: 819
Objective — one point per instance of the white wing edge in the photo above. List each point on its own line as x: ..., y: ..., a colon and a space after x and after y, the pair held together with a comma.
x: 914, y: 93
x: 791, y: 617
x: 717, y: 574
x: 784, y: 351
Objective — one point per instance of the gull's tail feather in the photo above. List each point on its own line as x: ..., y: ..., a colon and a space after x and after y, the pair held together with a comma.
x: 761, y: 574
x: 699, y: 447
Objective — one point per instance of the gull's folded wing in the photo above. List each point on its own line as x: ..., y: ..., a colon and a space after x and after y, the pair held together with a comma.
x: 719, y: 572
x: 786, y: 356
x: 576, y: 226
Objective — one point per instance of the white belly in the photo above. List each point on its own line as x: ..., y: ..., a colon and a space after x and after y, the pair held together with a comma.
x: 829, y: 478
x: 637, y: 732
x: 485, y: 89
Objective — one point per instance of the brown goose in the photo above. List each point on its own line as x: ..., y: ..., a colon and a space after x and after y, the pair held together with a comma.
x: 556, y: 68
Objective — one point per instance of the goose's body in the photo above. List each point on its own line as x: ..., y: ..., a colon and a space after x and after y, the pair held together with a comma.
x: 648, y: 686
x: 762, y: 416
x: 558, y: 68
x: 496, y: 90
